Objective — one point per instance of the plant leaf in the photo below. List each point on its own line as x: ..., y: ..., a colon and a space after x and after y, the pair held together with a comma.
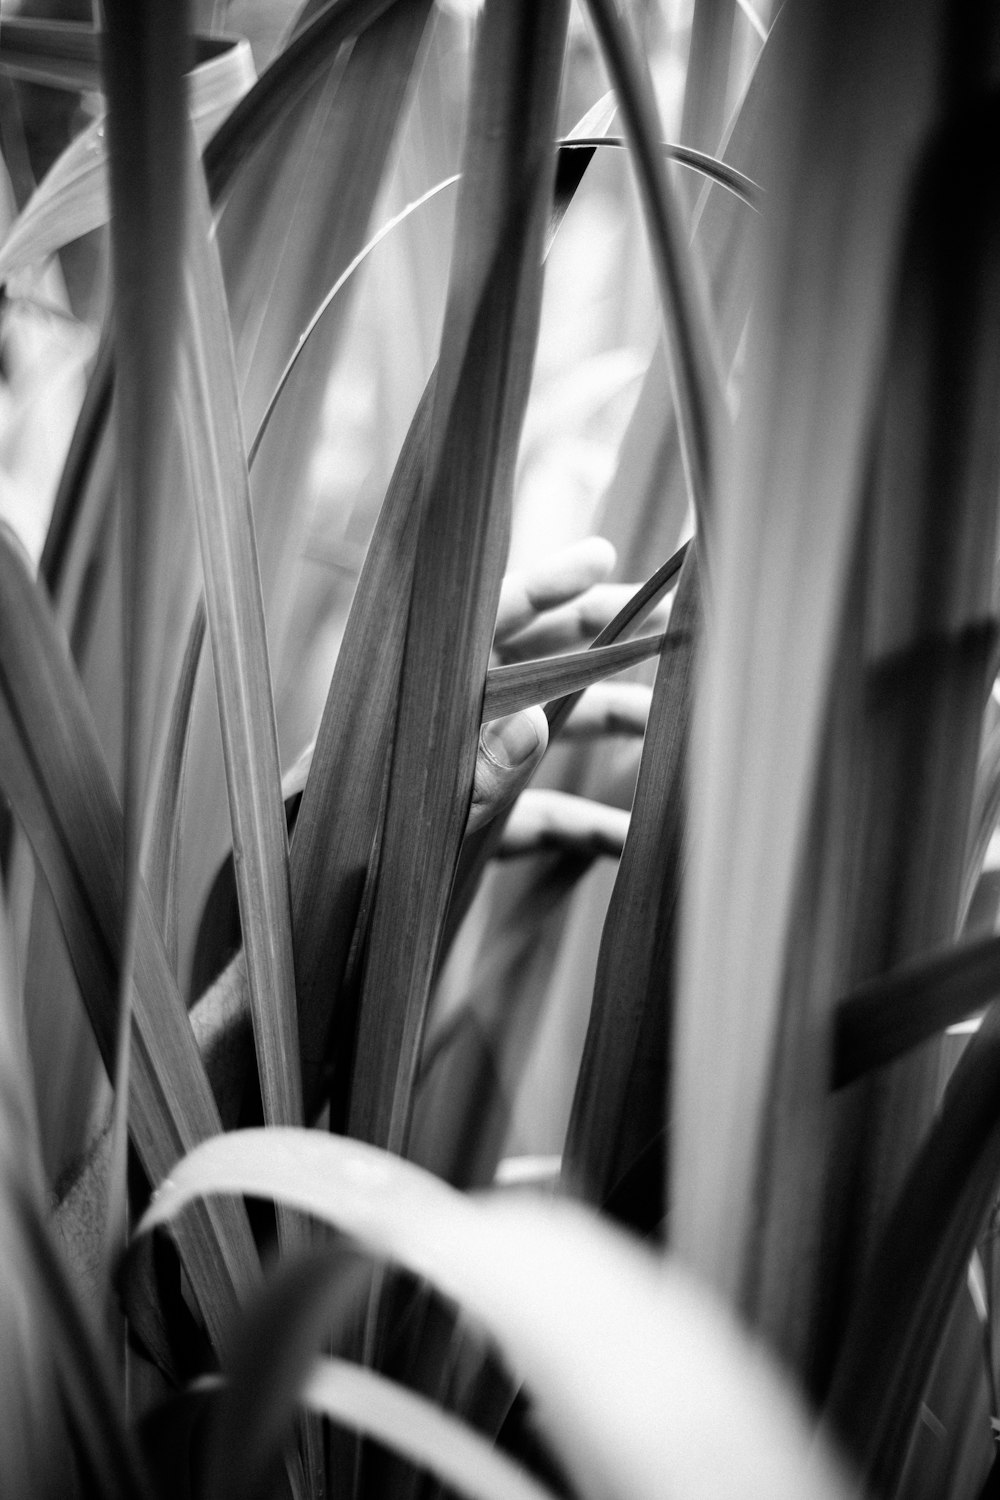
x: 691, y: 352
x: 885, y: 1017
x: 417, y: 1430
x: 523, y: 683
x: 239, y: 645
x: 480, y: 392
x: 55, y: 776
x: 72, y: 198
x: 632, y: 1392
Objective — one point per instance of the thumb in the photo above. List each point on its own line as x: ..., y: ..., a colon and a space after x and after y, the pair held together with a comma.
x: 509, y: 750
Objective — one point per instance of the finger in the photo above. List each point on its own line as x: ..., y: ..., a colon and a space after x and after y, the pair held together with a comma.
x: 610, y: 708
x: 509, y: 751
x: 528, y: 591
x: 546, y: 820
x: 577, y: 622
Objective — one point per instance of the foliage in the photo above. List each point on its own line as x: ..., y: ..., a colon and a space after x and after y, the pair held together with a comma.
x: 367, y: 322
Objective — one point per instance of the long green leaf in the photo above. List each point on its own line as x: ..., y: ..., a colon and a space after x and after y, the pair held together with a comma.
x: 55, y: 777
x: 480, y: 393
x: 615, y: 1154
x: 632, y: 1392
x: 239, y: 645
x: 779, y: 577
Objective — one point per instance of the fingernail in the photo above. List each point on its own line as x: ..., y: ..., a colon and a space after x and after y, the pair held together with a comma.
x: 510, y: 741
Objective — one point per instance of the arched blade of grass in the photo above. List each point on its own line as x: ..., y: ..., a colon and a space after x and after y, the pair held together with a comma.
x: 691, y: 353
x: 239, y: 645
x: 72, y: 198
x: 56, y: 779
x: 342, y: 279
x: 631, y: 1393
x: 700, y: 162
x: 885, y: 1017
x: 418, y: 1431
x: 481, y: 389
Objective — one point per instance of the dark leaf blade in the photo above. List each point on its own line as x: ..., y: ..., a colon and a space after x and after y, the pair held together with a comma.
x: 705, y: 165
x: 143, y: 59
x: 615, y: 1155
x: 886, y: 1017
x: 521, y: 684
x: 480, y: 393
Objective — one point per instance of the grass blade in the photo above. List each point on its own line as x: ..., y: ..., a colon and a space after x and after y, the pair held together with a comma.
x: 521, y: 684
x: 480, y: 394
x: 615, y: 1155
x: 239, y: 645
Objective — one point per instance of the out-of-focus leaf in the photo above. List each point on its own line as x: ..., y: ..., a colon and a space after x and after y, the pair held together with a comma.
x: 55, y: 776
x: 418, y: 1430
x: 631, y: 1392
x: 481, y: 389
x: 887, y: 1016
x: 95, y: 1404
x: 884, y: 876
x: 706, y: 77
x: 72, y: 198
x: 778, y: 585
x: 525, y: 682
x: 308, y: 1303
x: 143, y: 58
x: 897, y: 1323
x: 236, y: 623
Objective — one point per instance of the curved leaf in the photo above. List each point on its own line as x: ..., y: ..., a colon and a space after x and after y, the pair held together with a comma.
x: 652, y: 1391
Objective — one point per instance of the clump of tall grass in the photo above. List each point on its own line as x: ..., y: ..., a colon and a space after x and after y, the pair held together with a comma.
x: 291, y: 955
